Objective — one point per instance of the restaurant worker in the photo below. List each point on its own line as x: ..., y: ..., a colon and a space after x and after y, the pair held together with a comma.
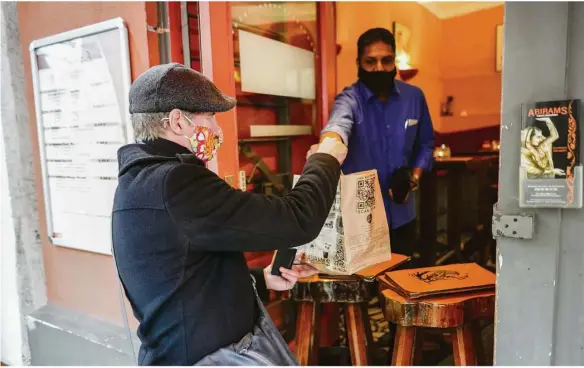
x: 179, y: 230
x: 386, y: 125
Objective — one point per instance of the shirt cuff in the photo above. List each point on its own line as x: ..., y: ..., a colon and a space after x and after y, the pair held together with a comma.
x: 338, y: 130
x: 424, y: 161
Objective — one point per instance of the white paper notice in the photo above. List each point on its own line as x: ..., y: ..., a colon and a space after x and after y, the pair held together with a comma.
x: 83, y: 124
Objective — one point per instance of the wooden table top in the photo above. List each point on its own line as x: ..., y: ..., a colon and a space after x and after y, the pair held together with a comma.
x: 440, y: 312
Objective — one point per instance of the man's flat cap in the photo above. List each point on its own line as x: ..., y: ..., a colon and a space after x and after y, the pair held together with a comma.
x: 163, y: 88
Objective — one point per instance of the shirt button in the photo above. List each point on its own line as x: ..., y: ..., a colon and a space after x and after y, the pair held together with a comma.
x: 387, y: 126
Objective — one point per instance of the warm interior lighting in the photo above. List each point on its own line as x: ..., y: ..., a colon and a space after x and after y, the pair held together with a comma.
x: 402, y: 61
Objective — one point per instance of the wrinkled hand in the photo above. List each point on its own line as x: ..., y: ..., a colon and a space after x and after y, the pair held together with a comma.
x: 313, y: 149
x: 289, y: 277
x: 333, y: 147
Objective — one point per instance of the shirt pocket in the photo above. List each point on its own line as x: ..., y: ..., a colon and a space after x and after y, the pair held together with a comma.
x: 411, y: 132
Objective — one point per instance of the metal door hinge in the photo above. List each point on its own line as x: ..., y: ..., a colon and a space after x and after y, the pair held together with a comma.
x: 519, y: 225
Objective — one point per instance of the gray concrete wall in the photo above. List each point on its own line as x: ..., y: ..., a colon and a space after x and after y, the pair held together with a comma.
x: 26, y: 245
x: 540, y: 287
x: 32, y: 331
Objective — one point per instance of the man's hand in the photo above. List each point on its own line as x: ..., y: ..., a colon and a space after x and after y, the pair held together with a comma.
x: 289, y: 277
x: 315, y: 147
x: 334, y: 148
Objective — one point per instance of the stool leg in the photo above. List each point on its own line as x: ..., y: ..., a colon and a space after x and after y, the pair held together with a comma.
x: 307, y: 334
x: 404, y: 348
x: 478, y: 343
x: 371, y: 345
x: 357, y: 339
x: 463, y: 346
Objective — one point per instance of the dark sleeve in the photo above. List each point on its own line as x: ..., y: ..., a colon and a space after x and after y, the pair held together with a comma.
x: 258, y: 275
x: 217, y: 217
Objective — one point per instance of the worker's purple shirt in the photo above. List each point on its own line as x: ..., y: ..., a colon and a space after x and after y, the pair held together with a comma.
x: 385, y: 137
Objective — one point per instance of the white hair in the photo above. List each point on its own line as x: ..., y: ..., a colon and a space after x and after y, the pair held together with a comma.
x: 150, y: 125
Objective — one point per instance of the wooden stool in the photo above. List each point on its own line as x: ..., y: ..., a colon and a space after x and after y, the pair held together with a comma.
x: 460, y: 312
x: 351, y: 291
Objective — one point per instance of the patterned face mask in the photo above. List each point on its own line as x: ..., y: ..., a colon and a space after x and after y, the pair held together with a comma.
x: 205, y: 143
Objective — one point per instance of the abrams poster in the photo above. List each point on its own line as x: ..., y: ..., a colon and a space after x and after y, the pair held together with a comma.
x: 550, y: 151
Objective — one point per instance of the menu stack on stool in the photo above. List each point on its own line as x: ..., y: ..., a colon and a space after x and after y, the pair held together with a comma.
x: 453, y: 296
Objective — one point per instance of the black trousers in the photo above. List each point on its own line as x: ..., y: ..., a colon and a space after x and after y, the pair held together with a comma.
x: 403, y: 239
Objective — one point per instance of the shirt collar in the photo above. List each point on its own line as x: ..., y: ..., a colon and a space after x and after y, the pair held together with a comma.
x: 368, y: 95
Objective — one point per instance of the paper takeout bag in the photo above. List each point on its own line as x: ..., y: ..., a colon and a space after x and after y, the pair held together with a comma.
x: 355, y: 235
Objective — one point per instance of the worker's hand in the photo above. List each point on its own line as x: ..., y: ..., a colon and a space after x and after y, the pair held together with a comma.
x: 334, y: 148
x: 289, y: 277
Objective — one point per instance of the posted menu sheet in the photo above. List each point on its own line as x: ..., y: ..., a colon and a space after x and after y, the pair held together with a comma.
x: 83, y: 122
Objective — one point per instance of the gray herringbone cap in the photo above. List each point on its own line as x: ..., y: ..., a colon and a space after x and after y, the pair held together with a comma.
x: 163, y: 88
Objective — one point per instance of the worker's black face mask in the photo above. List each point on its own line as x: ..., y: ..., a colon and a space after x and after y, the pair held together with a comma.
x: 380, y: 83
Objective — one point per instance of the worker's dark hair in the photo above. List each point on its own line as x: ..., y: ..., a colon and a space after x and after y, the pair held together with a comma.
x: 372, y: 36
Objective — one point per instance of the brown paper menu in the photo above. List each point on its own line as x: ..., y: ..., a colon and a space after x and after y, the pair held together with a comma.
x: 441, y: 280
x: 395, y: 261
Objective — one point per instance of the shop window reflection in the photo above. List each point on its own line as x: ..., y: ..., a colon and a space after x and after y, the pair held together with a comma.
x: 274, y: 52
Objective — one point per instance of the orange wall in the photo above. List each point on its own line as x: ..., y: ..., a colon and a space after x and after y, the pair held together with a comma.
x: 82, y: 281
x: 354, y: 18
x: 468, y: 70
x: 454, y: 56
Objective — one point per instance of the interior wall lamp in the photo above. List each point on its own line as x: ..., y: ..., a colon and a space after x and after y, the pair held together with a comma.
x: 405, y: 70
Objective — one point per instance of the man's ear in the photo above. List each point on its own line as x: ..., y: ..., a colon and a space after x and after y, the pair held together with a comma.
x: 175, y: 123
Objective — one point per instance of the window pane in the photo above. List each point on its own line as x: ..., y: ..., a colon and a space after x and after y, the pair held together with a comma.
x: 274, y: 50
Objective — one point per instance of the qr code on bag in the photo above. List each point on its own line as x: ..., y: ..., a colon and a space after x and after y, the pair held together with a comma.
x: 340, y: 253
x: 338, y: 258
x: 365, y: 194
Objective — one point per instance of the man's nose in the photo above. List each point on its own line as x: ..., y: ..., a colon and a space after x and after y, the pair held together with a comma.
x: 379, y: 66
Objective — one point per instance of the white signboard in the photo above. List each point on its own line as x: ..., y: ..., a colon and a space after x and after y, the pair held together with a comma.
x: 81, y: 81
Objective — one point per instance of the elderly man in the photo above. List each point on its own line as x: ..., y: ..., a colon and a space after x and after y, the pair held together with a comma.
x: 179, y: 230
